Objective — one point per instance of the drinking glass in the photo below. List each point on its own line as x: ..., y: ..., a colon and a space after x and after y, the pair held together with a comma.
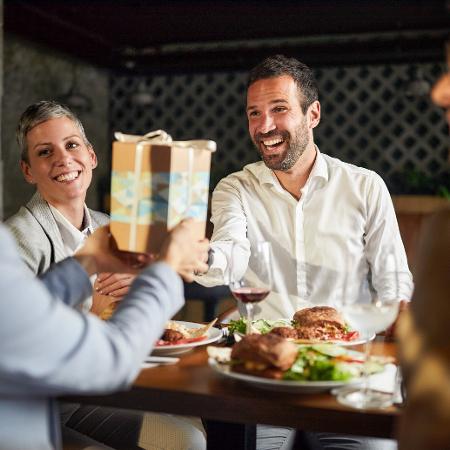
x: 368, y: 319
x: 250, y: 283
x: 369, y: 316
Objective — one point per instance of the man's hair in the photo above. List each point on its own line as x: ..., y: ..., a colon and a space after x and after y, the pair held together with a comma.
x: 279, y: 65
x: 38, y: 113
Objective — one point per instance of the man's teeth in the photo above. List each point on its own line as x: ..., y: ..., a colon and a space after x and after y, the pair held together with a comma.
x: 272, y: 142
x: 68, y: 176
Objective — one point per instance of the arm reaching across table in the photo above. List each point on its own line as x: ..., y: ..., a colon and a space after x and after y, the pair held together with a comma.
x: 51, y: 349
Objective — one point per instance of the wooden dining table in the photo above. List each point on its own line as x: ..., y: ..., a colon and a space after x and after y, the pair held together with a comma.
x: 231, y: 409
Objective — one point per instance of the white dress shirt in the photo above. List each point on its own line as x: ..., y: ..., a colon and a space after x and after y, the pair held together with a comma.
x: 73, y: 239
x: 340, y: 239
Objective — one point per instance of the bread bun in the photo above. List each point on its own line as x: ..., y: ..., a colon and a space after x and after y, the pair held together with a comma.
x: 262, y: 351
x: 318, y: 315
x: 319, y: 322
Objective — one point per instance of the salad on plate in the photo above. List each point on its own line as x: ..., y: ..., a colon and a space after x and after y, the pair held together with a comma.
x: 308, y: 326
x: 270, y: 360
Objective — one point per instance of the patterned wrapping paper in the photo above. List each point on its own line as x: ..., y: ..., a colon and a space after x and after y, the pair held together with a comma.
x: 155, y: 192
x: 154, y: 185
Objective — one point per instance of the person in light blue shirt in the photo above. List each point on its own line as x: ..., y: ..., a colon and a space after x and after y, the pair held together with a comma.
x: 48, y: 348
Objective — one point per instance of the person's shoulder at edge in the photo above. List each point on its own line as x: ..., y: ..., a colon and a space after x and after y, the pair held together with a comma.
x: 369, y: 181
x: 26, y: 215
x: 7, y: 240
x: 12, y: 253
x: 31, y: 240
x: 252, y: 171
x: 335, y: 164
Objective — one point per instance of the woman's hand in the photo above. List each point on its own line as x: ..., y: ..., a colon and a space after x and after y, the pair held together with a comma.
x: 103, y: 305
x: 113, y: 284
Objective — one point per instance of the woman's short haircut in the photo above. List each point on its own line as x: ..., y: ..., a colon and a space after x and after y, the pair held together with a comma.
x: 38, y: 113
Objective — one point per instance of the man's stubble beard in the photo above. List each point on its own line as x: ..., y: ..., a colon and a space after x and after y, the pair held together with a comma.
x: 297, y: 146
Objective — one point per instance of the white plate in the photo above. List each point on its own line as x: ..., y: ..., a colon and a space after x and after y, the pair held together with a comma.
x: 307, y: 387
x: 238, y: 336
x: 213, y: 335
x: 341, y: 343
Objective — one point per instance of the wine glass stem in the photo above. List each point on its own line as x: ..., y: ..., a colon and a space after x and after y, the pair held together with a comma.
x: 367, y: 349
x: 249, y: 309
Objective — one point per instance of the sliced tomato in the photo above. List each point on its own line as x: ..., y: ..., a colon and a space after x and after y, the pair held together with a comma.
x: 350, y: 336
x: 348, y: 359
x: 161, y: 343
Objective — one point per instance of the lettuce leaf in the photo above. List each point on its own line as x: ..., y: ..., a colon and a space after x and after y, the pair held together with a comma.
x: 312, y: 365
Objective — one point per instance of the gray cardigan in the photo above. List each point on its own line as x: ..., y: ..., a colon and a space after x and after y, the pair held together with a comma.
x: 37, y: 234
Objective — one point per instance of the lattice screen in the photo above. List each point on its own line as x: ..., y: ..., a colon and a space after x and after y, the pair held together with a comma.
x: 367, y: 118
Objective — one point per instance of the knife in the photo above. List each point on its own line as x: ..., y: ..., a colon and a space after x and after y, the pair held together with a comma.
x: 160, y: 360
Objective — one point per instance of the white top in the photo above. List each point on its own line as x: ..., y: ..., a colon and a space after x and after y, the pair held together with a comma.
x: 330, y: 243
x: 73, y: 239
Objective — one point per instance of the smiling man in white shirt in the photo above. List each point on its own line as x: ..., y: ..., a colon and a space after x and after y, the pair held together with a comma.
x: 330, y: 223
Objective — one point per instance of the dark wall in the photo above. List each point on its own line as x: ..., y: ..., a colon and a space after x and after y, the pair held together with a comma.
x: 375, y: 115
x: 33, y: 73
x: 378, y: 116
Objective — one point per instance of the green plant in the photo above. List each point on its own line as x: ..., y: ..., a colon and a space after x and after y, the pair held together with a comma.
x: 416, y: 182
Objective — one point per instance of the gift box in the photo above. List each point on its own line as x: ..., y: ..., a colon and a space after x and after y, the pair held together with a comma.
x: 155, y: 183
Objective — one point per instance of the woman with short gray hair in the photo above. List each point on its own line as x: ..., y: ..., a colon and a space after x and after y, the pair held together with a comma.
x: 58, y: 159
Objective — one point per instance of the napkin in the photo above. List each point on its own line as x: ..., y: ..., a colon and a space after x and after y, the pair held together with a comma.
x: 388, y: 381
x: 384, y: 381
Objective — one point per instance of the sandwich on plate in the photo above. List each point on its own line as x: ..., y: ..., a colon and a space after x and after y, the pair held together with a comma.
x: 272, y: 356
x: 265, y: 355
x: 316, y: 324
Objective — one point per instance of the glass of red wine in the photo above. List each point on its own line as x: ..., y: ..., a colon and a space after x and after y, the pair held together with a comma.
x: 252, y: 283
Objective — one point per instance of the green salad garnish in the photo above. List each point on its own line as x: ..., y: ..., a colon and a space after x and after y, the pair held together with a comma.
x: 323, y: 363
x: 237, y: 326
x: 262, y: 325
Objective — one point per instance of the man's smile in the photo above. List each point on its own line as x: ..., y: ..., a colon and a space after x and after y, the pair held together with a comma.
x: 272, y: 143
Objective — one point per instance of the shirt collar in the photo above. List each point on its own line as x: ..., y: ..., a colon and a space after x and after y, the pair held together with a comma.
x: 318, y: 176
x: 86, y: 226
x: 266, y: 175
x: 71, y: 236
x: 262, y: 173
x: 320, y: 168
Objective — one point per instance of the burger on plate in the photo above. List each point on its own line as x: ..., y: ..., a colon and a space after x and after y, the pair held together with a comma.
x: 320, y: 322
x: 264, y: 355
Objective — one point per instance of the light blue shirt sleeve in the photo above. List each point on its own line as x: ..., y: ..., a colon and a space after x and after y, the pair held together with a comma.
x: 47, y: 348
x: 68, y: 281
